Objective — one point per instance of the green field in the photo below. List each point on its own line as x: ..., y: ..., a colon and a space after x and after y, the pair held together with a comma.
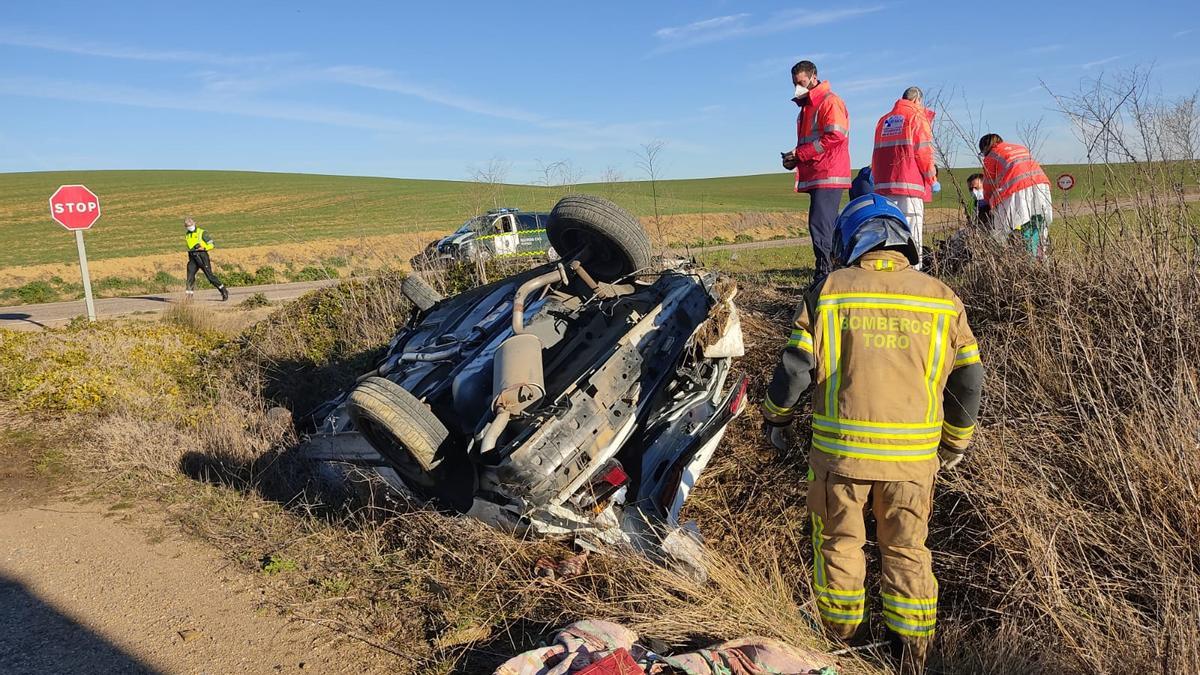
x: 142, y: 210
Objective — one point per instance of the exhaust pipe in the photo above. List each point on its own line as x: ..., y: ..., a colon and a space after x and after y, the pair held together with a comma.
x: 517, y: 378
x: 535, y: 284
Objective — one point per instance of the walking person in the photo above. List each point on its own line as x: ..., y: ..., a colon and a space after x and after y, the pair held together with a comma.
x: 1018, y: 192
x: 821, y: 158
x: 199, y: 243
x: 898, y: 385
x: 902, y: 162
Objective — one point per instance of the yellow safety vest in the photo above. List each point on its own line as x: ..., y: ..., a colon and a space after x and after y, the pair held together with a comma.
x: 197, y: 237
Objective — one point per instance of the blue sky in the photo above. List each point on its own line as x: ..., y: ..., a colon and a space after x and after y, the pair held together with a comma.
x: 438, y: 89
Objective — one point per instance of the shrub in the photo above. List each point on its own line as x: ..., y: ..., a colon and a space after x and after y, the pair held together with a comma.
x: 36, y: 292
x: 265, y: 275
x: 255, y: 301
x: 311, y: 273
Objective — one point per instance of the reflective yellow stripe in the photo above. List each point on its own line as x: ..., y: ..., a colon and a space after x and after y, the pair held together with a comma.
x: 832, y: 616
x: 911, y: 627
x: 501, y: 234
x: 901, y: 602
x: 942, y: 302
x: 937, y: 362
x: 862, y: 304
x: 958, y: 363
x: 818, y: 556
x: 833, y: 343
x: 961, y: 433
x: 774, y: 409
x: 901, y: 453
x: 801, y: 338
x: 848, y: 423
x: 967, y: 355
x: 908, y: 432
x: 867, y: 445
x: 859, y: 596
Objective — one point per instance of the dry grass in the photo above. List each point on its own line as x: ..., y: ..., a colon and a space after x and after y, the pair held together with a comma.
x: 1065, y: 543
x: 1074, y: 523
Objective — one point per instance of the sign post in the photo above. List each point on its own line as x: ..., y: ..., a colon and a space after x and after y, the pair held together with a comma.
x: 77, y: 208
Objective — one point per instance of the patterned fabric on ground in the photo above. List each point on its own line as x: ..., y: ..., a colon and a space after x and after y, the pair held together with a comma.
x: 576, y: 647
x: 584, y: 643
x: 745, y: 656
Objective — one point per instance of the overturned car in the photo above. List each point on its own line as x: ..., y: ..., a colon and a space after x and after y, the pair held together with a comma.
x: 581, y: 397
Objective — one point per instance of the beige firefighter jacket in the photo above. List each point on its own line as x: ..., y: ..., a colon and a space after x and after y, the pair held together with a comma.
x: 896, y: 370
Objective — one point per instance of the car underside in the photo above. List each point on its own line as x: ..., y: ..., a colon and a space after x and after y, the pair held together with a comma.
x: 582, y: 397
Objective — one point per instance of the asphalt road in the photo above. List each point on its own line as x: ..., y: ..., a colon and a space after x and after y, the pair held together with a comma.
x: 53, y: 314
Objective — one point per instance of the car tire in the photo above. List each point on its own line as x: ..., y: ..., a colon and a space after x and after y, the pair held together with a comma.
x: 609, y: 241
x: 419, y: 292
x: 402, y: 429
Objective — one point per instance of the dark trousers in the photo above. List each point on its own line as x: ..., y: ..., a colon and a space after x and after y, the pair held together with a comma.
x: 822, y: 215
x: 198, y: 260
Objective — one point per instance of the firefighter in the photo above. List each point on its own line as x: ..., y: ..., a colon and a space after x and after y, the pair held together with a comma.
x: 821, y: 158
x: 898, y: 382
x: 199, y: 243
x: 902, y: 162
x: 1018, y: 192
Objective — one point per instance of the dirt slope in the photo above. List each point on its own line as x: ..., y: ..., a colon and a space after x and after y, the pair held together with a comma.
x: 82, y: 592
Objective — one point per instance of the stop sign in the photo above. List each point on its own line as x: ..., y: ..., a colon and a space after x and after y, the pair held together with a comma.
x: 74, y: 207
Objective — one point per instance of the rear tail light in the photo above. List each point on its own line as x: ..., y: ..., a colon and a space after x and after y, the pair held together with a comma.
x: 738, y: 404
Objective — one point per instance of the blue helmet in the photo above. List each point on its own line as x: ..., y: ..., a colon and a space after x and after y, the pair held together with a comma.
x: 870, y: 222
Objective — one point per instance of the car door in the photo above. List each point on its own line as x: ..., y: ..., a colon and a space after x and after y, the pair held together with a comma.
x: 531, y: 228
x: 505, y: 238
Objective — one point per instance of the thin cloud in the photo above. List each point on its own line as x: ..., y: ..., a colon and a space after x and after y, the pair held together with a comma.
x: 735, y: 26
x: 779, y: 66
x: 86, y: 92
x: 384, y: 80
x: 246, y: 80
x: 1178, y: 34
x: 704, y: 27
x: 869, y: 83
x: 571, y: 136
x: 1099, y: 62
x: 30, y: 40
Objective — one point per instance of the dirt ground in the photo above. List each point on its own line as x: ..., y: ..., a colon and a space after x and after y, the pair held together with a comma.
x: 110, y: 588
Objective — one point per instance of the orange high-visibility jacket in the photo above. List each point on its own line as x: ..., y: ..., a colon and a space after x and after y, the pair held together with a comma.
x: 822, y: 141
x: 902, y: 163
x: 1008, y: 169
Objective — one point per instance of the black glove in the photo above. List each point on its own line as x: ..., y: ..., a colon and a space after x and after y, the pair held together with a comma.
x: 775, y: 435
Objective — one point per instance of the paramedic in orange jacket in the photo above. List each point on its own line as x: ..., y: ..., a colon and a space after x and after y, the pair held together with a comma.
x: 1018, y: 192
x: 902, y: 161
x: 821, y: 157
x: 898, y: 382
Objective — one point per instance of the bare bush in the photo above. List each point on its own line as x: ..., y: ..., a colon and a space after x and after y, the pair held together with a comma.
x: 650, y: 163
x: 487, y: 184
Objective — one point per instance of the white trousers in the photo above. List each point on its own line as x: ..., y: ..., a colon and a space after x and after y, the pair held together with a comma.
x: 914, y: 212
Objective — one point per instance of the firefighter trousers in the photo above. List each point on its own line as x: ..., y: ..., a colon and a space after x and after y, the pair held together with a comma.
x: 908, y: 589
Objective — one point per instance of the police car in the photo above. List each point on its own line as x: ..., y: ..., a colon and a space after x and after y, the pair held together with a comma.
x: 501, y: 233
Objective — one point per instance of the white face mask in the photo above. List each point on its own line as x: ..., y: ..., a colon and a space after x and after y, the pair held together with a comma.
x: 800, y: 91
x: 978, y: 194
x: 191, y: 228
